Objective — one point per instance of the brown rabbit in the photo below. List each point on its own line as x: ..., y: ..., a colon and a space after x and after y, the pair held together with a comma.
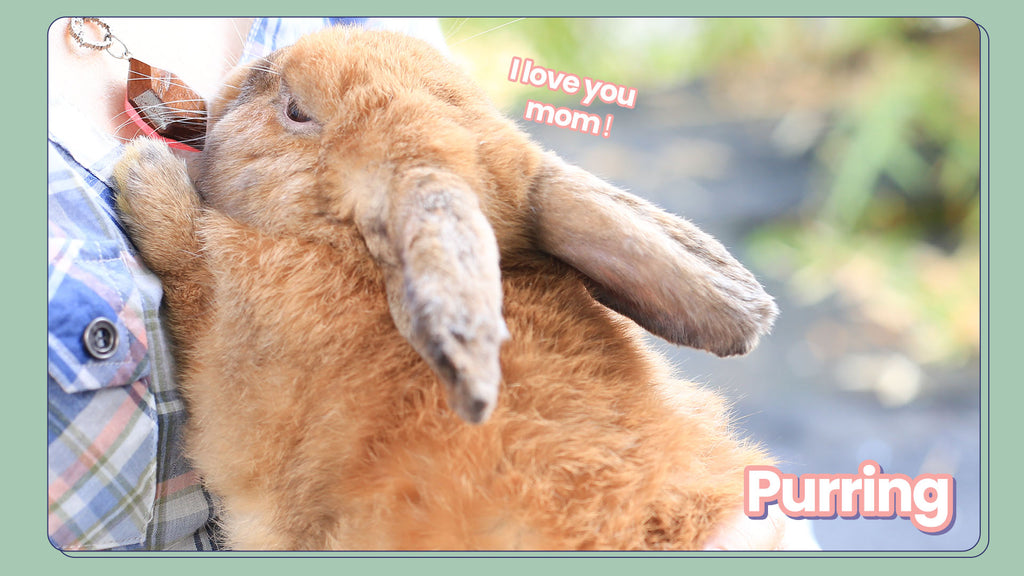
x: 333, y: 276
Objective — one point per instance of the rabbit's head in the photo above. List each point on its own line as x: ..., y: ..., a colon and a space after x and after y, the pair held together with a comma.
x: 379, y: 131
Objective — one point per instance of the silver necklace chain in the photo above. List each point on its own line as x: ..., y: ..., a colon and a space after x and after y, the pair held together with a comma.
x: 112, y: 44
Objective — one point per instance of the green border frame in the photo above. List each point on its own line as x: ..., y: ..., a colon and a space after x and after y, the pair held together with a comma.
x: 24, y: 519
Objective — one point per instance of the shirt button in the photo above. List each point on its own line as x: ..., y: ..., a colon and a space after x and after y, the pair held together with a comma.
x: 100, y: 338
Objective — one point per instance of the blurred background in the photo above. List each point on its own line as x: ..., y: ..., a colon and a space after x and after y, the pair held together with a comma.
x: 839, y: 160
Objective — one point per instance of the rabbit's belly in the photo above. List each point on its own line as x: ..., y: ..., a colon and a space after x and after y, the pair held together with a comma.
x: 322, y: 433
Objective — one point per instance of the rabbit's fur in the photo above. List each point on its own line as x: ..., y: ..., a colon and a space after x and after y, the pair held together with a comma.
x: 333, y: 286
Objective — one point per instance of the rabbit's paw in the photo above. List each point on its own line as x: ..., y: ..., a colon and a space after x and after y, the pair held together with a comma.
x: 152, y: 182
x: 157, y: 201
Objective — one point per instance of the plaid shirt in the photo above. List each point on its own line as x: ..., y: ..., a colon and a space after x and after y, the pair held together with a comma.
x: 117, y: 477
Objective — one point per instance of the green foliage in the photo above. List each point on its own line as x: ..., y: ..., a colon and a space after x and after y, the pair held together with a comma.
x: 911, y: 127
x: 925, y: 299
x: 902, y: 145
x: 894, y: 230
x: 897, y: 158
x: 648, y: 53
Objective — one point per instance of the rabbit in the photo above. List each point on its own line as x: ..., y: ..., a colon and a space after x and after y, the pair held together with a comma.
x: 400, y: 324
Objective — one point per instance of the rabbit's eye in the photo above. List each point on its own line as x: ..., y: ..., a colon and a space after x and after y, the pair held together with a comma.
x: 296, y: 114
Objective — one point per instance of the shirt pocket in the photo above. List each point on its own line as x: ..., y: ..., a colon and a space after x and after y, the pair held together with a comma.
x: 96, y: 321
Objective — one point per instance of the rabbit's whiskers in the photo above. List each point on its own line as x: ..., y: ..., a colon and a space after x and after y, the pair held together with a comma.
x: 488, y: 31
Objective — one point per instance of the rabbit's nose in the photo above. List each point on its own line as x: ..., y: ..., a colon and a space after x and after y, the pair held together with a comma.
x: 475, y: 401
x: 477, y: 411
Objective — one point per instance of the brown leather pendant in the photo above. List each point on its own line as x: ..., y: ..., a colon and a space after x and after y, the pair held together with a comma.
x: 166, y: 105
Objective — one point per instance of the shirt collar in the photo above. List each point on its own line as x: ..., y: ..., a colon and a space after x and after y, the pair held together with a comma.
x: 91, y: 147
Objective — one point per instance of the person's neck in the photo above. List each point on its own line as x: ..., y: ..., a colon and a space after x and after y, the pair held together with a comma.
x: 199, y: 50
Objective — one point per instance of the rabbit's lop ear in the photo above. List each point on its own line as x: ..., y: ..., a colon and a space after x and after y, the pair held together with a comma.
x: 663, y: 272
x: 440, y: 262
